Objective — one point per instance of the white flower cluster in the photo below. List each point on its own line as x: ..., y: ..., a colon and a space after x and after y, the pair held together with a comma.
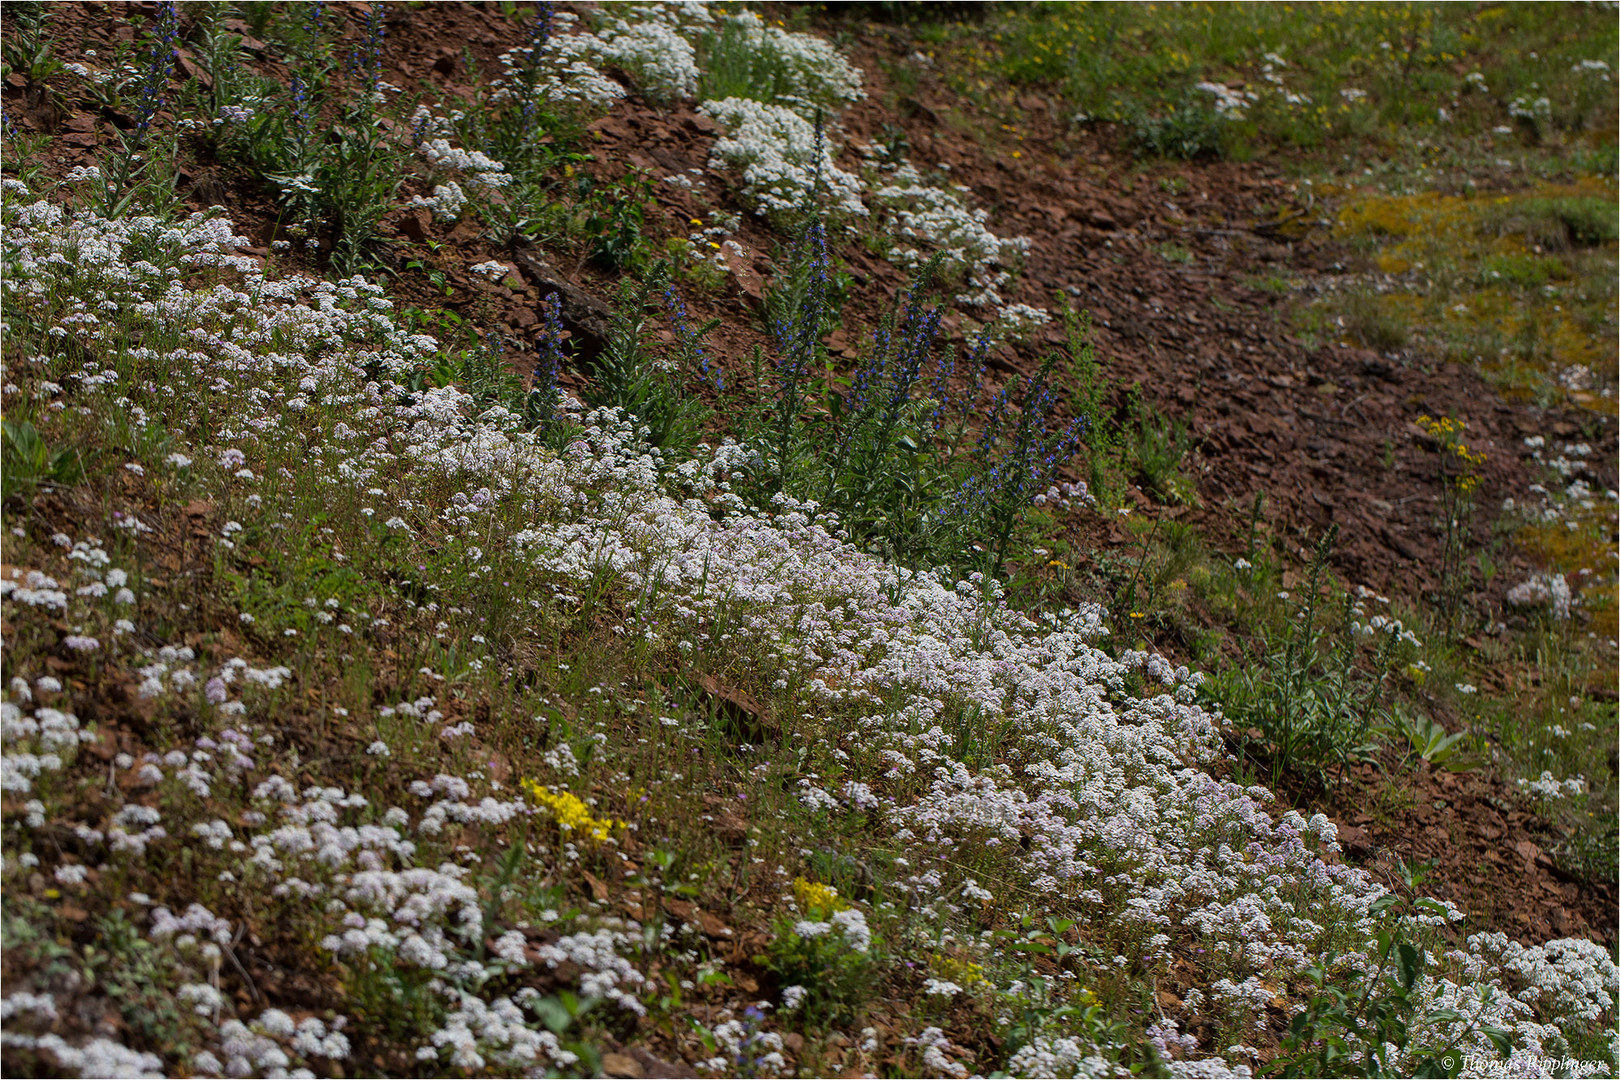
x: 937, y: 219
x: 483, y: 170
x: 1230, y: 104
x: 1099, y: 796
x: 494, y: 269
x: 936, y: 1055
x: 775, y: 149
x: 482, y: 173
x: 1020, y: 320
x: 499, y: 1034
x: 1532, y: 110
x: 652, y: 44
x: 742, y: 1040
x: 1549, y: 787
x: 815, y: 73
x: 566, y: 74
x: 848, y: 924
x: 1543, y: 590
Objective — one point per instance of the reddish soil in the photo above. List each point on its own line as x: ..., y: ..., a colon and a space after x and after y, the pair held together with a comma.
x: 1308, y: 428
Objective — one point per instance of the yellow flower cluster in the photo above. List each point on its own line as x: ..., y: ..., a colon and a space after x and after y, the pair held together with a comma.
x: 816, y: 897
x: 1442, y: 428
x: 570, y: 813
x: 964, y: 973
x: 1446, y: 430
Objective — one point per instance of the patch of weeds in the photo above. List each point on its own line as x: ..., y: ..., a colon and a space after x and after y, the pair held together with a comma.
x: 129, y: 968
x: 612, y: 220
x: 1092, y: 392
x: 1304, y: 699
x: 1189, y: 129
x: 1274, y: 283
x: 1174, y: 253
x: 1373, y: 324
x: 1157, y: 446
x: 27, y: 51
x: 1382, y: 1007
x: 824, y: 957
x: 652, y: 387
x: 1561, y: 222
x: 1149, y: 591
x: 1523, y: 270
x: 1459, y: 480
x: 894, y: 455
x: 1500, y: 282
x: 29, y: 463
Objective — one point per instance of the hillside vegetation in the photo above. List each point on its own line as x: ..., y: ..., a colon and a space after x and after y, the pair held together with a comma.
x: 689, y: 540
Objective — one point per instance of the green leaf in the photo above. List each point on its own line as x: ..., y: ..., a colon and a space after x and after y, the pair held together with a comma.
x: 1411, y: 964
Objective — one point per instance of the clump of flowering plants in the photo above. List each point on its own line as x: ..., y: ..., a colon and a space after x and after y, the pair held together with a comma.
x: 298, y: 754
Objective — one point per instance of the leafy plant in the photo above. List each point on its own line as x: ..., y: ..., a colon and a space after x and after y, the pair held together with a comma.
x: 28, y: 51
x: 629, y: 375
x: 1189, y: 129
x: 828, y: 952
x: 613, y: 224
x: 891, y: 451
x: 1312, y: 706
x: 1458, y: 466
x: 1428, y: 739
x: 1374, y: 1023
x: 1373, y: 324
x: 29, y: 463
x: 1157, y: 447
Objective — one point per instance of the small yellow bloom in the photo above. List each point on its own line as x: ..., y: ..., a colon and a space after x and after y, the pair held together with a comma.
x: 816, y: 897
x: 570, y: 813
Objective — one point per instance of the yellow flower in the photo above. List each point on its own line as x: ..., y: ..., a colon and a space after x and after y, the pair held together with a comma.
x: 964, y: 973
x: 816, y: 897
x: 570, y: 814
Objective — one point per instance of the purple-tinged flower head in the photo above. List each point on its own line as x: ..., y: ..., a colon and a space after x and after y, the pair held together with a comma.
x: 540, y: 33
x: 365, y: 62
x: 687, y: 340
x: 314, y: 13
x: 815, y: 161
x: 542, y: 404
x: 300, y: 101
x: 939, y: 387
x: 994, y: 420
x: 799, y: 331
x: 920, y: 330
x: 870, y: 373
x: 419, y: 126
x: 159, y: 66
